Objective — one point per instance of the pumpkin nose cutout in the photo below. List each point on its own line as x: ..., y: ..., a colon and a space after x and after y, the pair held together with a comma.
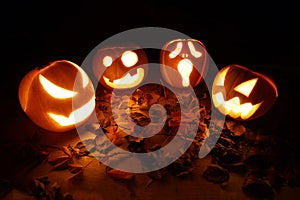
x: 246, y: 88
x: 185, y: 68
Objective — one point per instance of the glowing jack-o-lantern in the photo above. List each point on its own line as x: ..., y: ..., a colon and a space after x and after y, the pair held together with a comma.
x: 184, y: 62
x: 58, y: 96
x: 243, y: 94
x: 120, y: 67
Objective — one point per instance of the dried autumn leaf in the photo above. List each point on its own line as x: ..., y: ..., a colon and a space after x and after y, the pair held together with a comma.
x: 76, y: 175
x: 56, y: 160
x: 67, y: 151
x: 257, y: 187
x: 119, y: 175
x: 78, y: 170
x: 62, y: 165
x: 74, y: 167
x: 216, y: 174
x: 235, y: 127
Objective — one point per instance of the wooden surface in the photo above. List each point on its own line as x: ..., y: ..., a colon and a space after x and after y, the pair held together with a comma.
x: 96, y: 184
x: 16, y: 128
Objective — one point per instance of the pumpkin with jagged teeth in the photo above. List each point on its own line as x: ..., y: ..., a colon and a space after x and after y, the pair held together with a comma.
x: 243, y: 94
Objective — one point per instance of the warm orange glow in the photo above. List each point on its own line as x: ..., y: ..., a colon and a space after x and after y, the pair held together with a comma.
x: 185, y: 68
x: 176, y: 51
x: 220, y: 79
x: 85, y: 78
x: 81, y: 114
x: 107, y: 61
x: 54, y: 90
x: 233, y: 107
x: 126, y: 81
x: 129, y: 58
x: 194, y: 52
x: 246, y: 88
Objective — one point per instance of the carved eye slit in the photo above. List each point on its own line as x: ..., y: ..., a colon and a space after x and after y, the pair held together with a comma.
x: 194, y: 52
x: 220, y: 79
x: 176, y: 51
x: 246, y: 87
x: 54, y: 90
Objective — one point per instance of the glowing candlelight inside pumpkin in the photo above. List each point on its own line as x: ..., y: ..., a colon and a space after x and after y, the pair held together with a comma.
x: 120, y: 67
x: 54, y: 99
x: 184, y: 60
x: 243, y: 94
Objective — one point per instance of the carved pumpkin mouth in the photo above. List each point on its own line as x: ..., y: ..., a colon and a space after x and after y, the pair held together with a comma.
x: 130, y: 79
x: 77, y: 115
x: 233, y: 107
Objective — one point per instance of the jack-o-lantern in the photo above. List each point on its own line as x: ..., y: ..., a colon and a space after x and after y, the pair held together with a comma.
x: 243, y: 94
x: 58, y: 96
x: 184, y: 62
x: 120, y: 67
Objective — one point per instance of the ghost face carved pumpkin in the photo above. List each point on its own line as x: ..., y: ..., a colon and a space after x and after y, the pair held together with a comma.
x: 120, y: 67
x: 58, y: 96
x: 243, y: 94
x: 184, y: 62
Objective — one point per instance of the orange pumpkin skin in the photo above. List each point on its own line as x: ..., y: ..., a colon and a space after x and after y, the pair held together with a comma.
x: 177, y: 50
x: 37, y: 102
x: 107, y: 72
x: 261, y: 92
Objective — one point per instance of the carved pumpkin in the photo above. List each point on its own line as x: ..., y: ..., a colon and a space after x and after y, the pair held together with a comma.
x: 120, y: 67
x: 243, y: 94
x: 184, y: 62
x: 52, y: 98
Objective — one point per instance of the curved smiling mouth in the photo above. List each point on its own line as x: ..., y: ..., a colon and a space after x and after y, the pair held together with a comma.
x: 127, y: 81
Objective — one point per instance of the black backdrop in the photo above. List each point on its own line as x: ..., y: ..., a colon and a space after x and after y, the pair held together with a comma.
x: 250, y: 33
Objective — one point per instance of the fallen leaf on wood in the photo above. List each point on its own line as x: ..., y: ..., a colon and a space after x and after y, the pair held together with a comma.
x: 119, y: 175
x: 74, y: 167
x: 216, y: 174
x: 56, y: 160
x: 76, y: 175
x: 62, y: 165
x: 67, y: 151
x: 235, y: 127
x: 254, y: 186
x: 78, y: 170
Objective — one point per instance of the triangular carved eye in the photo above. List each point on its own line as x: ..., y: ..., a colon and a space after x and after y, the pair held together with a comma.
x: 246, y: 88
x: 54, y: 90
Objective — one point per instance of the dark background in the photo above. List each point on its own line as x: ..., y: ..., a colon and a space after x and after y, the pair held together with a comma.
x: 250, y: 33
